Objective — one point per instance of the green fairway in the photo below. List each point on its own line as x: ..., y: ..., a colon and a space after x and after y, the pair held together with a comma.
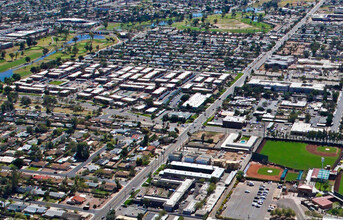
x: 291, y: 176
x: 264, y: 171
x: 229, y: 23
x: 294, y: 155
x: 327, y: 149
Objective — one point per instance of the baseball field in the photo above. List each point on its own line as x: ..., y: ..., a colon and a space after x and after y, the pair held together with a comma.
x: 299, y: 156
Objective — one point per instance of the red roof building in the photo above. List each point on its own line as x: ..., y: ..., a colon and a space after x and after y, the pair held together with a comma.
x: 78, y: 199
x: 323, y: 202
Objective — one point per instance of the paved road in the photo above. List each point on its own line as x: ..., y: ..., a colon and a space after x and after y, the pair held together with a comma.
x: 338, y: 113
x: 73, y: 172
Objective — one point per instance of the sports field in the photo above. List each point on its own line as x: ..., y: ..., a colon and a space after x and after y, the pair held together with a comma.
x: 297, y: 155
x: 264, y: 172
x: 327, y: 149
x: 291, y: 176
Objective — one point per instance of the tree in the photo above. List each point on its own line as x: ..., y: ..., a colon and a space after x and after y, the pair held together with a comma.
x: 29, y: 41
x: 145, y: 141
x: 203, y: 137
x: 49, y: 101
x: 14, y: 179
x: 7, y: 90
x: 27, y: 59
x: 82, y: 151
x: 149, y: 102
x: 75, y: 39
x: 25, y: 100
x: 111, y: 215
x: 12, y: 56
x: 19, y: 163
x: 211, y: 188
x: 91, y: 35
x: 16, y: 77
x: 240, y: 175
x: 3, y: 54
x: 45, y: 51
x: 140, y: 216
x: 7, y: 106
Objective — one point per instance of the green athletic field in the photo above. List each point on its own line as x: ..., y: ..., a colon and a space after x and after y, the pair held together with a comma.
x: 291, y: 176
x: 264, y: 171
x: 326, y: 149
x: 294, y: 155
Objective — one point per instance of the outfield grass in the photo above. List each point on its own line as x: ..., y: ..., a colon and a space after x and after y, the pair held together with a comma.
x: 294, y: 155
x: 264, y: 171
x: 291, y: 176
x: 340, y: 190
x: 324, y: 149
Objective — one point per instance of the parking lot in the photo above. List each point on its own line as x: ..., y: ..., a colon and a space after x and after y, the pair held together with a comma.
x: 240, y: 205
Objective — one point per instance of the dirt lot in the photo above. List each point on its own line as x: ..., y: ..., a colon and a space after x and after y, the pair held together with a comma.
x: 208, y: 135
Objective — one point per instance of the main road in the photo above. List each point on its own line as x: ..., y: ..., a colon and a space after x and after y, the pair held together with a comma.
x: 138, y: 180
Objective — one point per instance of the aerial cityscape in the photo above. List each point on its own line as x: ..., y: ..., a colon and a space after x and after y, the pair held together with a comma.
x: 171, y: 109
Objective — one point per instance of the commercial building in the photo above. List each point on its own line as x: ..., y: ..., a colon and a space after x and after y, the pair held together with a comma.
x: 233, y: 122
x: 196, y: 100
x: 231, y: 143
x: 192, y: 170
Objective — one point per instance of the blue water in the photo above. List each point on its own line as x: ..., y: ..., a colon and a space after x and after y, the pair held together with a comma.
x: 251, y: 9
x: 86, y: 37
x: 197, y: 15
x: 5, y: 74
x: 161, y: 23
x: 218, y: 12
x: 9, y: 73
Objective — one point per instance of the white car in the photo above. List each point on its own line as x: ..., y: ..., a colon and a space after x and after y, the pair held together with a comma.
x: 247, y: 191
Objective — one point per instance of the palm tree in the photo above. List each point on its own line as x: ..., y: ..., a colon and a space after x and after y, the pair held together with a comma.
x: 75, y: 39
x: 91, y: 35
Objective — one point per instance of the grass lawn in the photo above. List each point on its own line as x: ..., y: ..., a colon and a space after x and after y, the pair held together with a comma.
x: 264, y: 171
x: 192, y: 118
x: 327, y: 149
x: 291, y: 176
x: 340, y: 190
x: 239, y: 75
x: 57, y: 82
x: 228, y: 23
x: 294, y: 155
x: 208, y: 120
x: 10, y: 64
x: 245, y: 138
x: 33, y: 168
